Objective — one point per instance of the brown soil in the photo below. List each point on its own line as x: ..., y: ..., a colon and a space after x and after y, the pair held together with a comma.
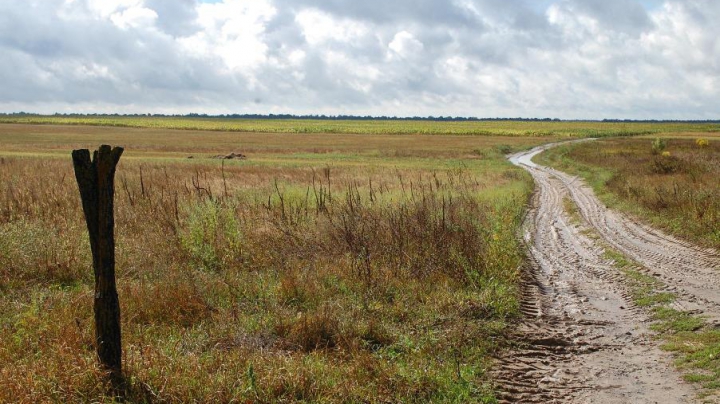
x: 231, y: 156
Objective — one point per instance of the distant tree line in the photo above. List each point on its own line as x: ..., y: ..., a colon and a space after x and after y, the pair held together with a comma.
x: 323, y: 117
x: 662, y: 120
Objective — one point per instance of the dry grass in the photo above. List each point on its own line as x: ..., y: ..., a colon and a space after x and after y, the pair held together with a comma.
x: 363, y: 271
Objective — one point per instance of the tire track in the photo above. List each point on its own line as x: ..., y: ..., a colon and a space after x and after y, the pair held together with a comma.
x: 583, y: 341
x: 689, y: 271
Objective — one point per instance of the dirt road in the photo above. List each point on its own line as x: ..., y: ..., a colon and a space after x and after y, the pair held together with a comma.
x: 586, y: 342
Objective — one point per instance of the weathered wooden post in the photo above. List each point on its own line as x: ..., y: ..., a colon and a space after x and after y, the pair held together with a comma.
x: 96, y: 182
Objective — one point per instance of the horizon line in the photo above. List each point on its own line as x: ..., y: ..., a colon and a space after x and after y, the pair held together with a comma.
x: 349, y: 117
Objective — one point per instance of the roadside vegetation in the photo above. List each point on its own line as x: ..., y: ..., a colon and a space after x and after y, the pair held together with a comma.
x: 673, y: 183
x: 318, y: 269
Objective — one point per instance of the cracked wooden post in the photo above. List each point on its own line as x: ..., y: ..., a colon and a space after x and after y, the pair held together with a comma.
x: 96, y: 182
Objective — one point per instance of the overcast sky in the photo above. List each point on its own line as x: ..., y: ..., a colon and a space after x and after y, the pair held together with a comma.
x: 487, y: 58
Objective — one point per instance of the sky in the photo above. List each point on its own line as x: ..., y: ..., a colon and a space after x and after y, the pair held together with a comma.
x: 568, y: 59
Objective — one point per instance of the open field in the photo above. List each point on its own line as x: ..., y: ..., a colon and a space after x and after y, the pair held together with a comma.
x: 498, y: 128
x: 271, y: 148
x: 322, y: 268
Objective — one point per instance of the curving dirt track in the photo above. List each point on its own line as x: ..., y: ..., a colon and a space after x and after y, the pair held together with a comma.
x: 584, y: 340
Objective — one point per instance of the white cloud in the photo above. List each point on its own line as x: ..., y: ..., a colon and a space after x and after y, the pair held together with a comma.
x: 106, y: 8
x: 134, y: 17
x: 319, y: 27
x: 405, y: 45
x: 232, y: 31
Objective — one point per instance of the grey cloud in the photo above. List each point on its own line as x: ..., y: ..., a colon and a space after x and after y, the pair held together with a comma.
x: 52, y: 59
x: 530, y: 21
x: 627, y: 16
x: 175, y: 17
x: 383, y: 11
x: 282, y: 30
x: 494, y: 58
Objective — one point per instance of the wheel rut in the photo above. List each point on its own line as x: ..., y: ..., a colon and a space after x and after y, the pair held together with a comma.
x: 583, y: 341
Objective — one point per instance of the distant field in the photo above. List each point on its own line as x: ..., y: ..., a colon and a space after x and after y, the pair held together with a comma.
x: 500, y: 128
x: 276, y: 147
x: 321, y: 268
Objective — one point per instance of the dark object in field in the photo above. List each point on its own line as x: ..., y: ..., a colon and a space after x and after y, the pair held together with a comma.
x: 96, y: 182
x: 231, y: 156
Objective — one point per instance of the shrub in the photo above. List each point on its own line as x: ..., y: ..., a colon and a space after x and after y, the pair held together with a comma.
x: 311, y: 331
x: 211, y: 236
x: 666, y: 164
x: 504, y: 149
x: 176, y: 300
x: 658, y: 145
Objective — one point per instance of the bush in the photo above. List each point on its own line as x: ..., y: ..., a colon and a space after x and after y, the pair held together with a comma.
x: 666, y: 164
x: 211, y: 237
x: 658, y: 146
x: 504, y: 149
